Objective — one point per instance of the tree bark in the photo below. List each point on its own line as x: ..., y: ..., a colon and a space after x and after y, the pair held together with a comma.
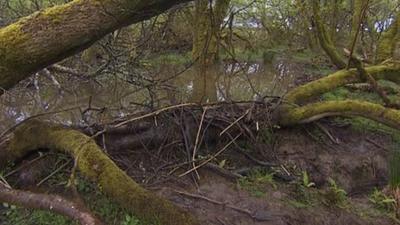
x: 53, y: 203
x: 95, y: 165
x: 50, y: 35
x: 205, y: 51
x: 324, y: 38
x: 315, y: 111
x: 389, y: 71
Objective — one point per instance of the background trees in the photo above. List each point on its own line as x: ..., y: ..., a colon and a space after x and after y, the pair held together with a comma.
x: 82, y: 64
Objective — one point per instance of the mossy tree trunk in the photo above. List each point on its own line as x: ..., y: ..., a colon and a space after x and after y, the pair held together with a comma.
x: 296, y: 110
x: 324, y: 37
x: 98, y: 167
x: 302, y: 94
x: 208, y: 19
x: 53, y: 34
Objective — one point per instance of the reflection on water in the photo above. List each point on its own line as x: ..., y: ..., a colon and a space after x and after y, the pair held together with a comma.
x: 116, y: 95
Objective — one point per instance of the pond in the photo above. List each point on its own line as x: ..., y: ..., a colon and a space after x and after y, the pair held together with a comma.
x: 115, y: 94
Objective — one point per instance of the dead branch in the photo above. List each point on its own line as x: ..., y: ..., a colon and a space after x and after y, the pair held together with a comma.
x: 53, y: 203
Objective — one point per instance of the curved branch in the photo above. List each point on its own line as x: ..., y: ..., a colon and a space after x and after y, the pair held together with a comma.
x: 33, y: 42
x: 324, y: 38
x: 316, y: 111
x: 303, y: 93
x: 52, y: 203
x: 95, y: 165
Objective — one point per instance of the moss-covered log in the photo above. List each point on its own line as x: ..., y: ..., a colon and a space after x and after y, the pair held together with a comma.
x: 389, y: 71
x: 53, y: 34
x: 316, y: 111
x: 96, y: 166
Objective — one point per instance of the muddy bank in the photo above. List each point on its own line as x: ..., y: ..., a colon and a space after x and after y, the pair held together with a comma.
x: 356, y: 161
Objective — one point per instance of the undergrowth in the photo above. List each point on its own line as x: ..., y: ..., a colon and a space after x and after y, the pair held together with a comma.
x: 101, y: 205
x: 257, y: 181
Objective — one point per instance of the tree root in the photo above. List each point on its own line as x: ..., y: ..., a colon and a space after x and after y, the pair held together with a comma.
x: 53, y: 203
x: 95, y: 165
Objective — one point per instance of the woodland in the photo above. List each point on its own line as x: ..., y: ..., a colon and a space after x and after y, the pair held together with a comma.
x: 188, y: 112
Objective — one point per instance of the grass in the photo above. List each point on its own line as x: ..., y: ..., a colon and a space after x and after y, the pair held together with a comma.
x: 101, y: 205
x: 394, y: 166
x: 382, y: 202
x: 169, y: 59
x: 362, y: 124
x: 257, y: 181
x: 335, y: 195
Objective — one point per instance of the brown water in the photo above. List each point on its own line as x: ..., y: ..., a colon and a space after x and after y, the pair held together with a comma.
x: 118, y: 94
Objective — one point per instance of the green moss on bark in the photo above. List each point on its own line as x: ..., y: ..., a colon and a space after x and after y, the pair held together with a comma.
x: 324, y: 39
x: 305, y: 92
x: 315, y: 111
x: 96, y: 166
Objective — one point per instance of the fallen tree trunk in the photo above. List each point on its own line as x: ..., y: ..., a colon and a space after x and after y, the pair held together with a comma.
x: 96, y: 166
x: 48, y: 36
x: 389, y: 71
x: 315, y: 111
x: 54, y: 203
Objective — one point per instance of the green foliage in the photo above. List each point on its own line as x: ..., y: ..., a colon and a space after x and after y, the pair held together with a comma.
x: 382, y: 202
x: 343, y: 93
x: 304, y: 195
x: 130, y: 220
x: 267, y: 136
x: 110, y: 212
x: 338, y: 94
x: 169, y: 59
x: 256, y: 182
x: 306, y: 180
x: 19, y: 216
x: 335, y: 195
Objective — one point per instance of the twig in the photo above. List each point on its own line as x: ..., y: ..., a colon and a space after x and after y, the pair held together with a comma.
x: 53, y: 173
x: 244, y: 211
x: 197, y: 141
x: 376, y: 144
x: 321, y: 127
x: 144, y: 116
x: 9, y: 130
x: 211, y: 158
x: 25, y: 164
x: 223, y: 172
x: 237, y: 120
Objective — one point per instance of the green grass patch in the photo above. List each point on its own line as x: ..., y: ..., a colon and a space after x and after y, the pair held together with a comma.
x: 105, y: 208
x: 257, y: 181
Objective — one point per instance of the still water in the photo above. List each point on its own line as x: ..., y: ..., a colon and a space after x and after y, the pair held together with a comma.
x: 116, y: 94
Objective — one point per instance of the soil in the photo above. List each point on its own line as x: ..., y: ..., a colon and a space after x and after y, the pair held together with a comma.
x: 356, y: 161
